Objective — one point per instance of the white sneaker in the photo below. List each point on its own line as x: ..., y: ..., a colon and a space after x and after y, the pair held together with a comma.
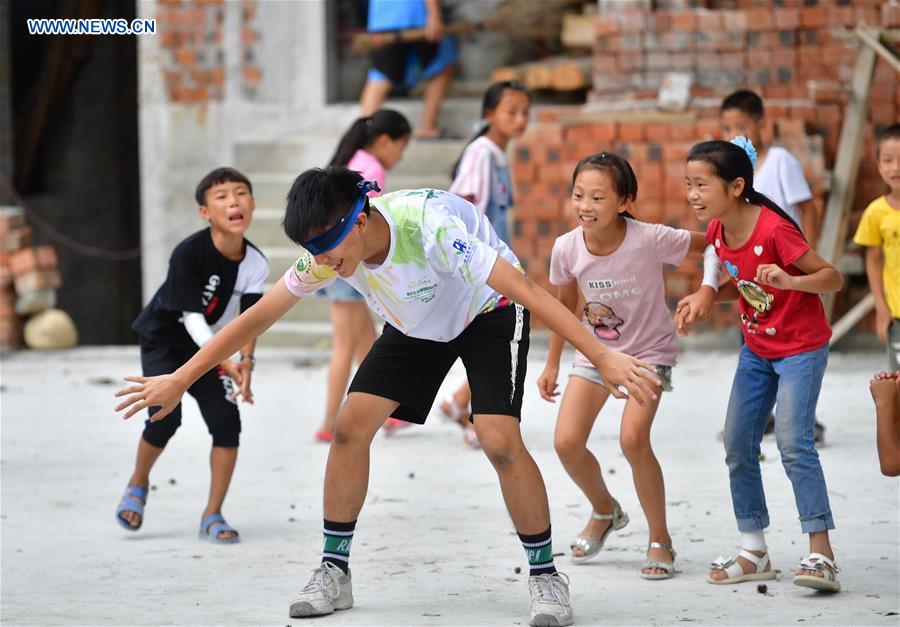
x: 329, y: 589
x: 550, y: 605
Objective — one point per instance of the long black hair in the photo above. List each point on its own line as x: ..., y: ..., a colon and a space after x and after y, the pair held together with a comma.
x: 366, y: 130
x: 730, y: 162
x: 489, y: 102
x: 619, y: 171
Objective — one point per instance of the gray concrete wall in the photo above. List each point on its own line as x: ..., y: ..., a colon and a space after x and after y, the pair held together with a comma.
x: 180, y: 142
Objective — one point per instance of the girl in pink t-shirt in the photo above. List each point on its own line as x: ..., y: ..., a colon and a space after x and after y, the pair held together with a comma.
x: 373, y: 145
x: 615, y: 263
x: 778, y: 279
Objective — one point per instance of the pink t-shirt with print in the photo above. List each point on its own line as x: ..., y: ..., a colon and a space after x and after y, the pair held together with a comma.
x: 371, y: 169
x: 625, y: 291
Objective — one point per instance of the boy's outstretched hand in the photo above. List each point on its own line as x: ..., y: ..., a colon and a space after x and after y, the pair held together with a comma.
x: 164, y: 391
x: 885, y: 387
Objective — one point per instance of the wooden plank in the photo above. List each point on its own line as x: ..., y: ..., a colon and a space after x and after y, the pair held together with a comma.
x: 631, y: 115
x: 578, y: 31
x: 850, y: 34
x: 561, y: 73
x: 504, y: 73
x: 572, y: 74
x: 538, y: 75
x: 832, y: 240
x: 875, y: 44
x: 850, y: 319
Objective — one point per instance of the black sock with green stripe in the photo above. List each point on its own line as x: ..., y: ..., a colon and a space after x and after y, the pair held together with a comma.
x: 539, y: 549
x: 338, y: 537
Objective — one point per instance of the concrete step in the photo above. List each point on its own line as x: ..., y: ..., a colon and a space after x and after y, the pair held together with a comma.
x: 270, y: 189
x: 459, y: 115
x: 437, y: 180
x: 290, y: 156
x: 266, y: 231
x: 429, y: 158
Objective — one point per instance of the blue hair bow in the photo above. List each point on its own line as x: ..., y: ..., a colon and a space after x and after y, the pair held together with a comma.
x: 744, y: 143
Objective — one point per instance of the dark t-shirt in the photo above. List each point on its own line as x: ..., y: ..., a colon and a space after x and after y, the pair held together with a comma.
x: 202, y: 280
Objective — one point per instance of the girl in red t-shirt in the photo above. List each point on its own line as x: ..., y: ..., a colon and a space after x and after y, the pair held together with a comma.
x: 778, y: 279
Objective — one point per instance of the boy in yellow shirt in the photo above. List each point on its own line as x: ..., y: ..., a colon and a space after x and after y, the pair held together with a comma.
x: 879, y: 230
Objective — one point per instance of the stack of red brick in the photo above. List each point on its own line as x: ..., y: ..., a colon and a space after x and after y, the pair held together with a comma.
x: 774, y: 47
x: 191, y: 36
x: 29, y: 276
x: 791, y: 54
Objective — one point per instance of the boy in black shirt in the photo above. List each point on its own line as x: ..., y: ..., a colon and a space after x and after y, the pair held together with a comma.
x: 213, y: 274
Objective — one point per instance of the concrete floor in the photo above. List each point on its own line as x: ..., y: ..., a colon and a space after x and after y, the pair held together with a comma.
x: 434, y: 545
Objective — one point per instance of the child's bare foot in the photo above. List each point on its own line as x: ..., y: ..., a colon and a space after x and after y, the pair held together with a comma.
x: 884, y: 387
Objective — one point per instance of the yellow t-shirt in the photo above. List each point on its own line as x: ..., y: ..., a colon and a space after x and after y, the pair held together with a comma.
x: 880, y: 226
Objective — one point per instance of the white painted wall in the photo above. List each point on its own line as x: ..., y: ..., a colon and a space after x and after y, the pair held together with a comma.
x: 180, y: 143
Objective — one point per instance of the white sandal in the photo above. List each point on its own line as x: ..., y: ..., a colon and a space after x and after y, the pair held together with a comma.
x: 827, y: 582
x: 669, y: 567
x: 736, y: 572
x: 591, y: 546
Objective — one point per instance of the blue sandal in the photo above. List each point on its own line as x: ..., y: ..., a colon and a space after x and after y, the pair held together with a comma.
x: 213, y: 525
x: 128, y: 504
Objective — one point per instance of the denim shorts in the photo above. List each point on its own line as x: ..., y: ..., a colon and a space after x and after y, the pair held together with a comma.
x: 341, y: 291
x: 590, y: 373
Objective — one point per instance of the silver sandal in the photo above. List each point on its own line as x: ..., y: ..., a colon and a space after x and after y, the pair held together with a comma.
x: 669, y: 567
x: 591, y: 546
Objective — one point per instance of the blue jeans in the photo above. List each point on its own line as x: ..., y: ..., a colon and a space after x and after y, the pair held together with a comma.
x: 794, y: 382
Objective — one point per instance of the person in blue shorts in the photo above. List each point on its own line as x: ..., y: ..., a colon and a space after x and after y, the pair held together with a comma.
x: 406, y: 64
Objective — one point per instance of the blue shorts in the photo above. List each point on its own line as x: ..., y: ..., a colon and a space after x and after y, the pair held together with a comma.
x: 400, y: 63
x: 340, y: 291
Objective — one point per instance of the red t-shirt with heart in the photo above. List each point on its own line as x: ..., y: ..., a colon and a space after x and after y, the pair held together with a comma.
x: 775, y: 323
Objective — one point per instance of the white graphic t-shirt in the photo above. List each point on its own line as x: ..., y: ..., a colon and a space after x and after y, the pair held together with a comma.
x: 434, y: 280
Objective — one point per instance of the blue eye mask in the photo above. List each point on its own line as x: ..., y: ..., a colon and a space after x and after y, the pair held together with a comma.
x: 326, y: 240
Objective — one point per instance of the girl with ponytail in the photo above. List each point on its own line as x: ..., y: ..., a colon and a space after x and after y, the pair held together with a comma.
x: 778, y: 280
x: 372, y: 146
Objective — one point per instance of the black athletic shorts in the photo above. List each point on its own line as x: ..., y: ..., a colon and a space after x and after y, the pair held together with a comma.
x: 493, y: 349
x: 391, y: 60
x: 212, y: 392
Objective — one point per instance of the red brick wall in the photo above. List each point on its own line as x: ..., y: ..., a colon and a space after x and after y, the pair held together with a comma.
x: 191, y: 40
x: 789, y: 54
